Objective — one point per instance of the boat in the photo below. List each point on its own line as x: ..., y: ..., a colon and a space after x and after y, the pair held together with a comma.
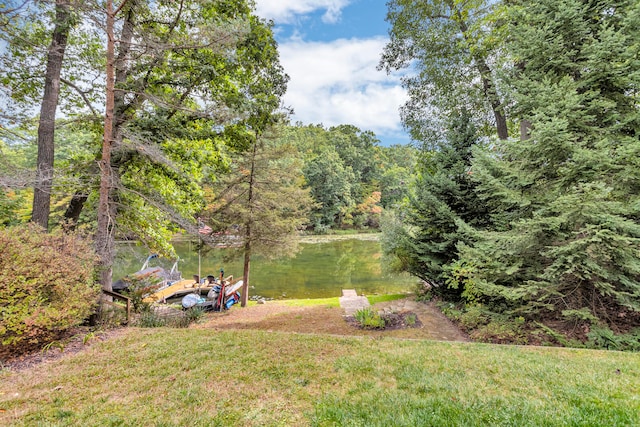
x: 191, y: 286
x: 161, y: 285
x: 156, y: 276
x: 213, y: 300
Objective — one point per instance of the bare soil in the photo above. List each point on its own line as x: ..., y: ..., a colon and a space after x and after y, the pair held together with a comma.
x: 72, y: 342
x: 276, y: 316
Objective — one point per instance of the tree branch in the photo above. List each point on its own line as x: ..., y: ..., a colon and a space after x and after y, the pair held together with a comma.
x: 82, y: 94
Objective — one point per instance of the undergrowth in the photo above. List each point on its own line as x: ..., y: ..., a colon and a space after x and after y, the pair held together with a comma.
x: 369, y: 319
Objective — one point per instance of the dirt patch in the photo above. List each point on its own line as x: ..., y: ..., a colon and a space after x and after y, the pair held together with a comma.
x: 276, y: 316
x: 73, y: 341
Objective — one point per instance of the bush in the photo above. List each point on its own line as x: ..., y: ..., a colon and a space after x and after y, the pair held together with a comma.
x: 138, y: 289
x: 369, y: 319
x: 46, y: 285
x: 601, y: 336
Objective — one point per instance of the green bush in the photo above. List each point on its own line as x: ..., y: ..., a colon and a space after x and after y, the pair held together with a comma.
x: 369, y: 319
x: 138, y: 289
x: 149, y: 319
x: 46, y: 285
x: 601, y: 336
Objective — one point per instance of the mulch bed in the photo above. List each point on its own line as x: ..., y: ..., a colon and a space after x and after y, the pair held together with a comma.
x: 392, y: 321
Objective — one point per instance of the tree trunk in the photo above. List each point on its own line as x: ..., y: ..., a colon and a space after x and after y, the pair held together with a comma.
x: 491, y: 93
x: 72, y: 214
x: 488, y: 85
x: 104, y: 233
x: 525, y: 130
x: 46, y: 125
x: 248, y: 225
x: 244, y: 298
x: 114, y: 119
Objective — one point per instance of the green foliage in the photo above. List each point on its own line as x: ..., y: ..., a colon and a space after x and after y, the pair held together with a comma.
x: 460, y: 276
x: 369, y: 319
x: 330, y: 181
x: 172, y: 319
x: 563, y: 202
x: 501, y: 331
x: 440, y: 209
x: 346, y: 169
x: 192, y: 78
x: 194, y: 314
x: 46, y: 284
x: 260, y: 200
x: 445, y: 46
x: 603, y: 337
x: 10, y: 202
x: 138, y: 289
x: 149, y: 319
x: 411, y: 319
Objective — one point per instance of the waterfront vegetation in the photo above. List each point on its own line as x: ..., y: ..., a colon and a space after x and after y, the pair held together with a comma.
x: 517, y: 207
x: 196, y: 377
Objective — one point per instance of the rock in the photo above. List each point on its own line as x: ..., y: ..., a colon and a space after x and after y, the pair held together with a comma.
x: 261, y: 301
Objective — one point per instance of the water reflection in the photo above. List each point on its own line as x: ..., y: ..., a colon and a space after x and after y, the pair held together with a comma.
x: 319, y: 270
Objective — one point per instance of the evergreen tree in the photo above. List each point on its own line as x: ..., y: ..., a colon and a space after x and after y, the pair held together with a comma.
x: 260, y: 203
x: 565, y: 201
x: 441, y: 205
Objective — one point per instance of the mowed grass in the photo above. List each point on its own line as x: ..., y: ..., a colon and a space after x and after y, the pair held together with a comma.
x: 200, y: 377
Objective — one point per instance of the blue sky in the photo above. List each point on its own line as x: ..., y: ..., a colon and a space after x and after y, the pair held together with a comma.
x: 330, y: 49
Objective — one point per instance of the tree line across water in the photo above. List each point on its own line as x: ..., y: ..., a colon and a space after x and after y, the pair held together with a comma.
x: 518, y: 204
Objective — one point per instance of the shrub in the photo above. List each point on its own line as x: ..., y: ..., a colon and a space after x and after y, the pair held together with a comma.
x: 46, y: 285
x: 138, y: 289
x: 601, y: 336
x: 411, y: 319
x: 369, y: 319
x: 149, y: 319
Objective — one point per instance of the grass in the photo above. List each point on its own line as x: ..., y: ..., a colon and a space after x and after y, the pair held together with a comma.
x: 335, y: 302
x: 197, y: 377
x: 312, y: 302
x: 374, y: 299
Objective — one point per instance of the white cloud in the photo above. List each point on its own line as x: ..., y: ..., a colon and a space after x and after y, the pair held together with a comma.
x: 286, y: 11
x: 337, y: 83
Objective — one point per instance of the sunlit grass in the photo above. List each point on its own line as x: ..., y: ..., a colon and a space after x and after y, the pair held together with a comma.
x: 310, y: 302
x: 200, y: 377
x: 375, y: 299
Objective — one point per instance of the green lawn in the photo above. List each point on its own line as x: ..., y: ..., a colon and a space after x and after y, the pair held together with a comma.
x: 202, y: 377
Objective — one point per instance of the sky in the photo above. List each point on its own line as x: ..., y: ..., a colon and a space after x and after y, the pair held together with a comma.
x: 330, y: 50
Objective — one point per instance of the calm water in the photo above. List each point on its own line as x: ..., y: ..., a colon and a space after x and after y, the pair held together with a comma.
x: 319, y: 270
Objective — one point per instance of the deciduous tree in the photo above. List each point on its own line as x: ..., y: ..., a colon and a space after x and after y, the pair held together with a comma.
x: 451, y: 46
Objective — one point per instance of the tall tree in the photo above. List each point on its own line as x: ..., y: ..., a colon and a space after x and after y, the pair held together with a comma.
x: 189, y: 77
x: 46, y: 128
x: 261, y: 202
x: 45, y: 52
x: 441, y: 204
x: 330, y: 181
x: 450, y: 45
x: 565, y: 201
x: 397, y: 170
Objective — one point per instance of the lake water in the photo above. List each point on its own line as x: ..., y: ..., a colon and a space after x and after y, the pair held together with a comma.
x: 319, y: 270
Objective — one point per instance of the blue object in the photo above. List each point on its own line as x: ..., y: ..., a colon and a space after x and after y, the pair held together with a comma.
x: 233, y: 299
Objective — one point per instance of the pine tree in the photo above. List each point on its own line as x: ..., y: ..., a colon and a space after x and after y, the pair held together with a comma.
x: 566, y: 234
x: 441, y: 206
